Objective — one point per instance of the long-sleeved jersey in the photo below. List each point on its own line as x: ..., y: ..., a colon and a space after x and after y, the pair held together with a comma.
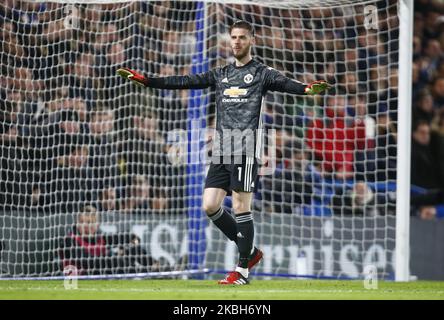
x: 240, y: 92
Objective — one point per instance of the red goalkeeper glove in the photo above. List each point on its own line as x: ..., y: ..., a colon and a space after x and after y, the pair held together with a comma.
x: 317, y: 87
x: 133, y: 76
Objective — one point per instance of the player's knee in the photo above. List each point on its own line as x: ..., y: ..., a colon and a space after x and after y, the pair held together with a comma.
x: 209, y: 208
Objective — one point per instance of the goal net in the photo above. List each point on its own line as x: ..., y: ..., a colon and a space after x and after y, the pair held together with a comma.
x: 107, y: 177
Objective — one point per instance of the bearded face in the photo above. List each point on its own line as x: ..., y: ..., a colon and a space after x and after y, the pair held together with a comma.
x: 241, y: 42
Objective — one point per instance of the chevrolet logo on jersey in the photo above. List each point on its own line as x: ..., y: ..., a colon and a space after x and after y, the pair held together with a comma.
x: 235, y: 92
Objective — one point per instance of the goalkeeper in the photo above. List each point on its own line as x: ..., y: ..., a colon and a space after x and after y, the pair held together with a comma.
x: 240, y: 88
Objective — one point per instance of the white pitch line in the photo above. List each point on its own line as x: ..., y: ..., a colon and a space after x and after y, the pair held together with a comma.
x: 219, y: 290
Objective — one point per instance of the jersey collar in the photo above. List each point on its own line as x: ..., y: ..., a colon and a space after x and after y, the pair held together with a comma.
x: 245, y: 65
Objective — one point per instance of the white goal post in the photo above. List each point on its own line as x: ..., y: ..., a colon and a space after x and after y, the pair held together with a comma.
x: 404, y: 127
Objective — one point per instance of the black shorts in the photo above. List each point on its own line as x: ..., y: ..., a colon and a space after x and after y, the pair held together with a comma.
x: 239, y: 177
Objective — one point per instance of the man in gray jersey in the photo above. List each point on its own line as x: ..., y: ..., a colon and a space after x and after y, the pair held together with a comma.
x: 240, y: 88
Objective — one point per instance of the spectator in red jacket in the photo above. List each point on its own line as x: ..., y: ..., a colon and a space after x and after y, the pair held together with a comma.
x: 335, y: 137
x: 92, y: 252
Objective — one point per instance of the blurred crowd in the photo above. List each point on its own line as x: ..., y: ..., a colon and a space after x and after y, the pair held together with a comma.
x: 427, y: 158
x: 72, y: 132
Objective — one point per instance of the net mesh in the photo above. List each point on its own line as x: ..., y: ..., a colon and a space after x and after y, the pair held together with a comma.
x: 84, y: 150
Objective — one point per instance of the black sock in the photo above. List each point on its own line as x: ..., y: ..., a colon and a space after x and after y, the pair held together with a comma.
x: 245, y: 236
x: 226, y: 223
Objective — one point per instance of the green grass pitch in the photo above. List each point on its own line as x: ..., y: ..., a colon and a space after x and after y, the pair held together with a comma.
x: 210, y: 290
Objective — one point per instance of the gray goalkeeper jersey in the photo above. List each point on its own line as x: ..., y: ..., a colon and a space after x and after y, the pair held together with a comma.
x: 240, y: 92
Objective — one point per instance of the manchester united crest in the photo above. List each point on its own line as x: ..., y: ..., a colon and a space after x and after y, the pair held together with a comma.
x: 248, y: 78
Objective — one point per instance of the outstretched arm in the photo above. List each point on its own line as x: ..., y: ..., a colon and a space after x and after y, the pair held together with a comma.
x: 317, y: 87
x: 278, y: 82
x: 195, y: 81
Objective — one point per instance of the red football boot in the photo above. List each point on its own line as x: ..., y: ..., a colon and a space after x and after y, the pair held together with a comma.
x: 255, y: 257
x: 235, y: 278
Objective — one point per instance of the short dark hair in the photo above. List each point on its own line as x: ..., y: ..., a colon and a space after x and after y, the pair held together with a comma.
x: 418, y: 123
x: 87, y: 210
x: 242, y: 24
